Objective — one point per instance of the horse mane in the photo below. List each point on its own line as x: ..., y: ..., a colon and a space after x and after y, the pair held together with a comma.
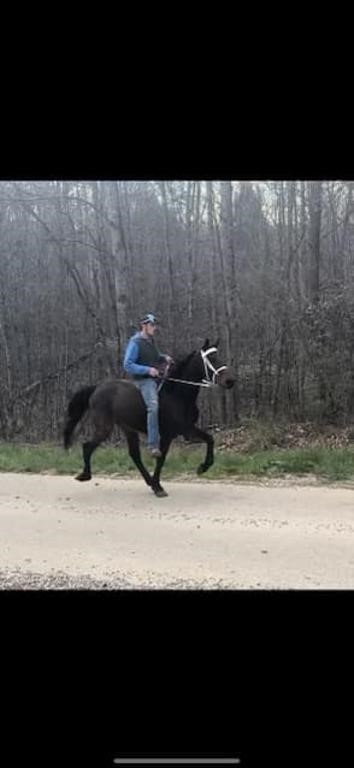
x: 177, y: 368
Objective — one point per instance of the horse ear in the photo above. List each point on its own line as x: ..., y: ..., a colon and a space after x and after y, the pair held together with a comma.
x: 206, y: 344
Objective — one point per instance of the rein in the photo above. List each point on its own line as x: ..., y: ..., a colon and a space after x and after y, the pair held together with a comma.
x: 203, y: 383
x: 206, y: 382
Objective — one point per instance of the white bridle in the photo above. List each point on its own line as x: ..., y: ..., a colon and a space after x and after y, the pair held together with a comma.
x: 208, y: 366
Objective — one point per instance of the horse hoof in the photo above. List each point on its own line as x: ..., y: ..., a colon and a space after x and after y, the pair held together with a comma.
x: 83, y: 476
x: 160, y: 493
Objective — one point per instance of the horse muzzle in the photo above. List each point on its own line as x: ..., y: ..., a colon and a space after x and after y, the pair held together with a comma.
x: 226, y: 378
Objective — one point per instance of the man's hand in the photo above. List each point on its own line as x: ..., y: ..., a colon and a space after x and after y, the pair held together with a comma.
x: 153, y: 372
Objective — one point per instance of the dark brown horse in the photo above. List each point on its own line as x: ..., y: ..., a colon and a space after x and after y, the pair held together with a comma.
x: 120, y: 402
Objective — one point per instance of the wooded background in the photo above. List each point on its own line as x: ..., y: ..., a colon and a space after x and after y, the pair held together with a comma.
x: 266, y: 266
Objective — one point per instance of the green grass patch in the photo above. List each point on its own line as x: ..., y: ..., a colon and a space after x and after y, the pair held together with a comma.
x: 329, y: 463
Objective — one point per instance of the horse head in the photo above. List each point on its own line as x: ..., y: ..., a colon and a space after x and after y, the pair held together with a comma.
x: 214, y: 372
x: 203, y: 366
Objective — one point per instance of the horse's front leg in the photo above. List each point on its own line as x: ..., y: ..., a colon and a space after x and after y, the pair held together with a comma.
x: 165, y: 443
x: 209, y: 440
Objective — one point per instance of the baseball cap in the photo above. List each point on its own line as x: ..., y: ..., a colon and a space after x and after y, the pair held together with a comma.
x: 149, y: 318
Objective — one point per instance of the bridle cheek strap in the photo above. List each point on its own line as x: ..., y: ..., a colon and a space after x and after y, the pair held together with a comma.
x: 208, y: 366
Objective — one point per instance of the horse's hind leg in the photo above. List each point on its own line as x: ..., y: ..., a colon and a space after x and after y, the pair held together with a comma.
x: 88, y: 448
x: 134, y: 452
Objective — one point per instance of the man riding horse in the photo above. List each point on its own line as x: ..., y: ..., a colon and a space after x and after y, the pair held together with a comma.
x: 119, y: 402
x: 141, y: 361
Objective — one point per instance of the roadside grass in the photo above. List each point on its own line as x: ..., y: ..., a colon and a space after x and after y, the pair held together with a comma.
x: 330, y: 463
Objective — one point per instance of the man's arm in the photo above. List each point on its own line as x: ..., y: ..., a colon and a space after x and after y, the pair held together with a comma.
x: 130, y: 365
x: 163, y: 358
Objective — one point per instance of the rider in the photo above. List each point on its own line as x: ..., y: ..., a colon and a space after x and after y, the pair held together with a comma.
x: 141, y: 361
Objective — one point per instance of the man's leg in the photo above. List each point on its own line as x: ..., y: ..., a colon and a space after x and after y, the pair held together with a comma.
x: 148, y: 390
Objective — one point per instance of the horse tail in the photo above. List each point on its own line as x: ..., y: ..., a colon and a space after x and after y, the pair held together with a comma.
x: 78, y: 405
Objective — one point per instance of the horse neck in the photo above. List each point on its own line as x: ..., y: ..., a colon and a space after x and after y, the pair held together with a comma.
x: 182, y: 392
x: 191, y: 375
x: 186, y: 392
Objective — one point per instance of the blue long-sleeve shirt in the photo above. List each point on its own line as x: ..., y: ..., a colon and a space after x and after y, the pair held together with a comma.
x: 132, y: 355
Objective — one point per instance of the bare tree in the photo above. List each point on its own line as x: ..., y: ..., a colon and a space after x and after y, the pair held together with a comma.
x: 267, y: 267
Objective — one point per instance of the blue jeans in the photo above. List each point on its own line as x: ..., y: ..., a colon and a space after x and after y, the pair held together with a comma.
x: 148, y: 389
